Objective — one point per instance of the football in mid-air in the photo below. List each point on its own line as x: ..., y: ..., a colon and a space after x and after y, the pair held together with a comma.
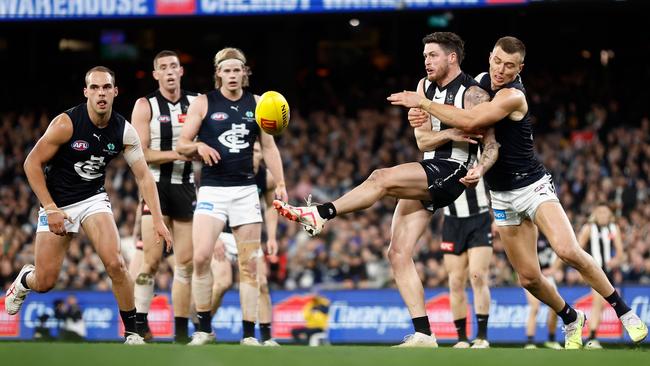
x: 272, y: 113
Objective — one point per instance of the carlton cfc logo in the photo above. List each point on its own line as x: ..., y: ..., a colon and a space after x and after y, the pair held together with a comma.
x: 80, y: 145
x: 164, y: 119
x: 219, y: 116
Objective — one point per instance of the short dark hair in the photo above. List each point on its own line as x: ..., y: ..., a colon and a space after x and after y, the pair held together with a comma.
x: 163, y: 53
x: 99, y: 69
x: 448, y: 41
x: 512, y: 45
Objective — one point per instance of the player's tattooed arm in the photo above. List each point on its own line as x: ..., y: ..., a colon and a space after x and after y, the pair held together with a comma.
x: 489, y: 155
x: 475, y: 96
x: 489, y: 151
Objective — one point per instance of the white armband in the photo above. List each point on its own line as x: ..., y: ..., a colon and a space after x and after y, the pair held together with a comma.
x: 132, y: 148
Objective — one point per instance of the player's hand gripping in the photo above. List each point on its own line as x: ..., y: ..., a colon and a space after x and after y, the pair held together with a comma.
x: 473, y: 176
x: 281, y: 192
x: 455, y: 134
x: 162, y: 233
x: 56, y: 220
x: 417, y: 117
x: 209, y: 155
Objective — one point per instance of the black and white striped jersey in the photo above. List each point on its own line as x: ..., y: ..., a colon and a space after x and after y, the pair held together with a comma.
x: 601, y: 243
x: 472, y: 201
x: 167, y: 120
x: 451, y: 94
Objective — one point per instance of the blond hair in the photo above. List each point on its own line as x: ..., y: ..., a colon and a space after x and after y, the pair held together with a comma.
x: 226, y: 54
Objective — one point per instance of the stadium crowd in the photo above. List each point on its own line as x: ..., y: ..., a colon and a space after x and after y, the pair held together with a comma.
x: 593, y: 152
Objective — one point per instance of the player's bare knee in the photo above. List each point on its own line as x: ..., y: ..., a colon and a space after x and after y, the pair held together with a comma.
x: 201, y: 262
x: 478, y: 278
x: 569, y: 254
x: 456, y: 283
x: 530, y: 282
x: 397, y: 255
x: 115, y: 269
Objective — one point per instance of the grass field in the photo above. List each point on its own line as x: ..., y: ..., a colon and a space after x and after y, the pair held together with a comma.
x: 100, y: 354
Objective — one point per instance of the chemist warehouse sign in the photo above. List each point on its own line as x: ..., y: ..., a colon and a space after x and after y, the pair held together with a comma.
x: 84, y: 9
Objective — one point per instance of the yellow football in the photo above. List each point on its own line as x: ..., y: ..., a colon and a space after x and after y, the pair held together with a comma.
x: 272, y: 113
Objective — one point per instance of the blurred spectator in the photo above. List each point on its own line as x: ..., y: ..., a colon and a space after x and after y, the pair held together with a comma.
x: 316, y: 314
x: 71, y: 324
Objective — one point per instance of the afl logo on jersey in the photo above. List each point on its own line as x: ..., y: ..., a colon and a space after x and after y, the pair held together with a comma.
x: 219, y: 116
x: 164, y: 119
x: 80, y: 145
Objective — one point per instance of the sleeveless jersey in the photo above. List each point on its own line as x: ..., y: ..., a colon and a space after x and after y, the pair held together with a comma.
x: 451, y: 94
x: 78, y: 169
x: 601, y: 245
x: 230, y: 128
x: 517, y: 165
x: 165, y: 126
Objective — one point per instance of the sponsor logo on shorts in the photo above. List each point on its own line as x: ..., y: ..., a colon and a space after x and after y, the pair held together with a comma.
x: 205, y: 206
x: 447, y: 246
x: 499, y: 215
x: 42, y: 220
x: 80, y: 145
x: 219, y: 116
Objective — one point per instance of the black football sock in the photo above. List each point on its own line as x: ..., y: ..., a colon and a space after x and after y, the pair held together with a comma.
x: 205, y: 321
x: 461, y: 329
x: 249, y: 328
x: 23, y: 279
x: 592, y: 334
x: 568, y: 314
x: 180, y: 326
x: 482, y: 321
x: 327, y: 210
x: 617, y: 303
x: 265, y: 331
x: 128, y: 318
x: 421, y: 325
x: 141, y: 323
x: 551, y: 337
x: 531, y: 340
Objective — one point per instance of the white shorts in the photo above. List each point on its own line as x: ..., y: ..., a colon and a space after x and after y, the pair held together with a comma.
x: 511, y: 207
x: 231, y: 246
x: 78, y: 212
x: 235, y: 205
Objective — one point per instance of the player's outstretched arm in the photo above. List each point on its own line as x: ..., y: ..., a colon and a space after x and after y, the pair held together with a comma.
x: 135, y: 158
x: 270, y: 215
x: 140, y: 118
x: 505, y: 102
x: 274, y: 163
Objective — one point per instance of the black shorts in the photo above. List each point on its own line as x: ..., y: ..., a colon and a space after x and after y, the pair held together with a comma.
x: 443, y: 178
x: 176, y: 200
x: 462, y: 233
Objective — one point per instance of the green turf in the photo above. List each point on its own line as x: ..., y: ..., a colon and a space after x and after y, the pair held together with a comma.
x: 99, y: 354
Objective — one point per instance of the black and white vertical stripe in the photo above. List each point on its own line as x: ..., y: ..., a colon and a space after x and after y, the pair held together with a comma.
x: 600, y: 243
x: 459, y: 152
x: 165, y: 128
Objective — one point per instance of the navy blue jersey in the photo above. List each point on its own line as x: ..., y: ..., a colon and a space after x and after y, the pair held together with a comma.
x: 230, y: 128
x: 517, y: 165
x: 78, y: 169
